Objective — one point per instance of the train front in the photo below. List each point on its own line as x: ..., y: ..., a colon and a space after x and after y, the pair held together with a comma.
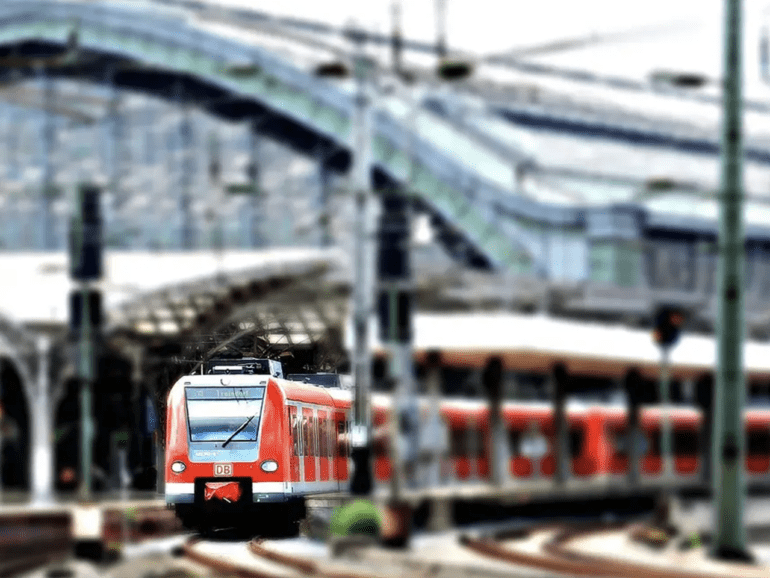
x: 219, y: 461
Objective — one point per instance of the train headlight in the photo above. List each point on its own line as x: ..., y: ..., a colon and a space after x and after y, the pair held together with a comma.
x: 269, y: 466
x: 178, y: 467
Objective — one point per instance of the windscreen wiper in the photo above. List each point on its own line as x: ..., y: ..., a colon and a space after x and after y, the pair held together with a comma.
x: 241, y: 428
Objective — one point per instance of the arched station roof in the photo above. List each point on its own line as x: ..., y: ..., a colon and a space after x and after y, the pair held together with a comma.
x: 168, y: 53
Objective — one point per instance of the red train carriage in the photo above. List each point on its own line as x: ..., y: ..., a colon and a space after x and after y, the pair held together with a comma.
x: 244, y: 447
x: 241, y: 447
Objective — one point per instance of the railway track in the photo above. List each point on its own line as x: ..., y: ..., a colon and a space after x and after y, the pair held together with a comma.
x: 268, y: 560
x: 553, y: 549
x: 542, y: 551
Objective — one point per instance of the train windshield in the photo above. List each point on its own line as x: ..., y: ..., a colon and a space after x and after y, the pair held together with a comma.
x: 216, y: 413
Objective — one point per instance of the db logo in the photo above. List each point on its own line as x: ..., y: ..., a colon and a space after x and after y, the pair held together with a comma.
x: 223, y: 469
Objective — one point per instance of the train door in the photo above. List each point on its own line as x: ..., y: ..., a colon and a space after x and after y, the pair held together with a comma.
x: 323, y: 446
x: 309, y: 438
x: 295, y: 460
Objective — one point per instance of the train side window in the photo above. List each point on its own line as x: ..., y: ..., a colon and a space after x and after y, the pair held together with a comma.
x: 330, y: 436
x: 307, y: 449
x: 315, y: 436
x: 758, y: 442
x: 685, y: 442
x: 294, y: 424
x: 514, y: 442
x: 458, y: 442
x: 576, y: 441
x: 653, y: 442
x: 322, y: 436
x: 480, y: 442
x: 340, y: 439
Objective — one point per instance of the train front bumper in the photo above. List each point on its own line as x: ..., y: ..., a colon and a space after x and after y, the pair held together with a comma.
x: 185, y: 493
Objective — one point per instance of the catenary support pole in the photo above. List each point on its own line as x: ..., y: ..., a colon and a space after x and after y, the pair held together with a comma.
x: 86, y: 373
x: 728, y: 440
x: 361, y: 482
x: 47, y: 190
x: 492, y: 380
x: 559, y: 377
x: 633, y: 384
x: 665, y: 427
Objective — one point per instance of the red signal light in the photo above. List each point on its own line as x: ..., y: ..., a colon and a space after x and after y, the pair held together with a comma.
x: 667, y: 325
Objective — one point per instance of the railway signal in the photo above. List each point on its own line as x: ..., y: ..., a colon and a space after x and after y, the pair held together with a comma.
x: 85, y: 312
x: 667, y: 327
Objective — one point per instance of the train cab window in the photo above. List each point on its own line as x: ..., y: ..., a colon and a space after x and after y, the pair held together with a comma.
x: 685, y: 442
x: 758, y: 442
x: 216, y: 414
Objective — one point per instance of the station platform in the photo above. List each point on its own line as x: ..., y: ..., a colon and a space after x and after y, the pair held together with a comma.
x: 33, y: 534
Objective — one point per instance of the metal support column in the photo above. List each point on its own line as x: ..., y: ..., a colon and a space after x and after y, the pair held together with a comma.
x: 361, y: 482
x: 559, y: 379
x: 41, y: 467
x: 492, y: 379
x: 86, y: 374
x: 2, y: 418
x: 665, y: 426
x: 118, y: 135
x: 633, y: 384
x: 324, y: 202
x: 257, y: 201
x: 728, y: 448
x: 395, y: 319
x: 704, y: 397
x: 187, y: 172
x: 47, y: 193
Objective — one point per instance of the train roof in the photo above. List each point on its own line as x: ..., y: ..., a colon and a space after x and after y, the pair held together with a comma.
x: 309, y: 393
x: 535, y: 342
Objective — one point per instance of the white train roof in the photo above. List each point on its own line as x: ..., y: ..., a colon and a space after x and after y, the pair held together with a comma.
x: 535, y: 342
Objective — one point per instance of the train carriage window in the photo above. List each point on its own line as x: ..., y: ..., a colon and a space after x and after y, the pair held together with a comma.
x: 315, y: 436
x: 480, y: 442
x: 685, y: 442
x: 294, y: 425
x: 307, y: 448
x: 621, y: 443
x: 758, y: 442
x: 322, y: 436
x: 514, y: 442
x: 576, y: 441
x: 330, y: 437
x: 458, y: 443
x: 653, y: 442
x: 467, y: 442
x: 340, y: 439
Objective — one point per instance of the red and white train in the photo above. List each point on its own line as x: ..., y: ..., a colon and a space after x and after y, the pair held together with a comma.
x: 242, y: 446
